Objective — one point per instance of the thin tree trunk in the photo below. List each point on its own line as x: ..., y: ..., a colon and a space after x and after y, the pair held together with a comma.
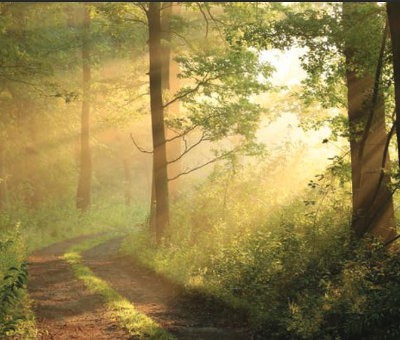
x: 170, y: 83
x: 157, y: 118
x: 85, y: 176
x: 3, y: 178
x: 393, y: 14
x: 128, y: 182
x: 153, y: 205
x: 372, y: 200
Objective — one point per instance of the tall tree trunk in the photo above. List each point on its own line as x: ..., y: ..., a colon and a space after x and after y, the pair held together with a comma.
x: 372, y: 200
x: 170, y: 83
x: 3, y: 178
x: 152, y: 221
x: 128, y: 182
x: 85, y: 175
x: 393, y: 14
x: 157, y: 119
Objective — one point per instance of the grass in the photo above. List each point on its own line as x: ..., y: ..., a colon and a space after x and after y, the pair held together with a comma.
x: 25, y: 230
x: 135, y: 322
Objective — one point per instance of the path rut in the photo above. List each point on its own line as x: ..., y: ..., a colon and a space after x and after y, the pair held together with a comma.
x: 160, y: 299
x: 65, y: 309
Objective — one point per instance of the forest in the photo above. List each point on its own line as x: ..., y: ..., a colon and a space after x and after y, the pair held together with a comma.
x: 199, y: 170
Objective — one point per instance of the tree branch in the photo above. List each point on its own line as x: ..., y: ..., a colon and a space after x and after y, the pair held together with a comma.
x: 391, y: 241
x: 187, y: 42
x: 141, y: 6
x: 182, y: 134
x: 136, y: 20
x: 201, y: 166
x: 186, y: 93
x: 138, y: 147
x: 382, y: 175
x: 374, y: 100
x: 204, y: 16
x: 187, y: 149
x: 385, y: 153
x: 215, y: 22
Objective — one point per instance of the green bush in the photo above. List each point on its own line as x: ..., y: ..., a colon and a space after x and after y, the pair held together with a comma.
x: 293, y: 267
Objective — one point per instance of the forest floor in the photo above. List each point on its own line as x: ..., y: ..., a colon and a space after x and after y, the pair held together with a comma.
x: 65, y: 309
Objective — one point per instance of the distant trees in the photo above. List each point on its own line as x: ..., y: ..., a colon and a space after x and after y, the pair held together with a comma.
x: 85, y: 166
x: 50, y: 58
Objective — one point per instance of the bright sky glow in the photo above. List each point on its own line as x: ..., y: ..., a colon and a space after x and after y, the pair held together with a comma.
x: 287, y: 64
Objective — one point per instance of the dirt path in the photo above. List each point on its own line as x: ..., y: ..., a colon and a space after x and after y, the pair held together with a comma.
x: 64, y: 309
x: 160, y: 299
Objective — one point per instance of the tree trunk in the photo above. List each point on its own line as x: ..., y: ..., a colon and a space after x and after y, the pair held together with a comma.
x: 3, y: 178
x: 85, y: 175
x: 157, y: 119
x: 393, y: 14
x: 152, y: 221
x: 170, y: 83
x: 372, y: 200
x: 128, y: 182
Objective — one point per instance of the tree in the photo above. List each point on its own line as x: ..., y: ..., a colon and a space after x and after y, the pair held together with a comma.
x: 393, y: 10
x: 217, y: 102
x: 170, y: 82
x: 344, y: 46
x: 85, y: 174
x: 160, y: 181
x: 372, y: 200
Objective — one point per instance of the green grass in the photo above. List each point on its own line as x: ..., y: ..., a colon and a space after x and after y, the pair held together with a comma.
x: 24, y: 230
x: 135, y: 322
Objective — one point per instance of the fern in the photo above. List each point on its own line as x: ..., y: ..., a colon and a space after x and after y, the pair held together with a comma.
x: 13, y: 282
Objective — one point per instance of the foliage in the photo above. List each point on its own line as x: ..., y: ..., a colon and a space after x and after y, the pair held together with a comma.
x: 251, y: 235
x: 13, y: 282
x: 293, y: 268
x: 15, y: 315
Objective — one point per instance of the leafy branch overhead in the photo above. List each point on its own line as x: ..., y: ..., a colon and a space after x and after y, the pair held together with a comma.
x: 220, y: 100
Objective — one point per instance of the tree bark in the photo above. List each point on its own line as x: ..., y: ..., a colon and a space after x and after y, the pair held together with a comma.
x: 152, y: 221
x: 393, y: 14
x: 3, y: 178
x: 85, y: 175
x: 157, y: 119
x: 372, y: 200
x: 170, y: 83
x: 128, y: 182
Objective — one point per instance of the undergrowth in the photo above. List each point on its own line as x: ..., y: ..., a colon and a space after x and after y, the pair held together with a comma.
x: 24, y: 230
x: 16, y: 317
x: 293, y: 268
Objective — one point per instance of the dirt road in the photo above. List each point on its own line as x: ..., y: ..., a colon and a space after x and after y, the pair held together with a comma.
x: 65, y: 309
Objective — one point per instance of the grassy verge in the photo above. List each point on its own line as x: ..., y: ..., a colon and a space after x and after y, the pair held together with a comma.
x: 16, y: 317
x: 135, y: 322
x: 25, y: 230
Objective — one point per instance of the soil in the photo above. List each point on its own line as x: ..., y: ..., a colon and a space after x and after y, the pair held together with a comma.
x: 64, y: 308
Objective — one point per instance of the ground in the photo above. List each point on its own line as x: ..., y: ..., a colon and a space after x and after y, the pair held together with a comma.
x: 65, y: 309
